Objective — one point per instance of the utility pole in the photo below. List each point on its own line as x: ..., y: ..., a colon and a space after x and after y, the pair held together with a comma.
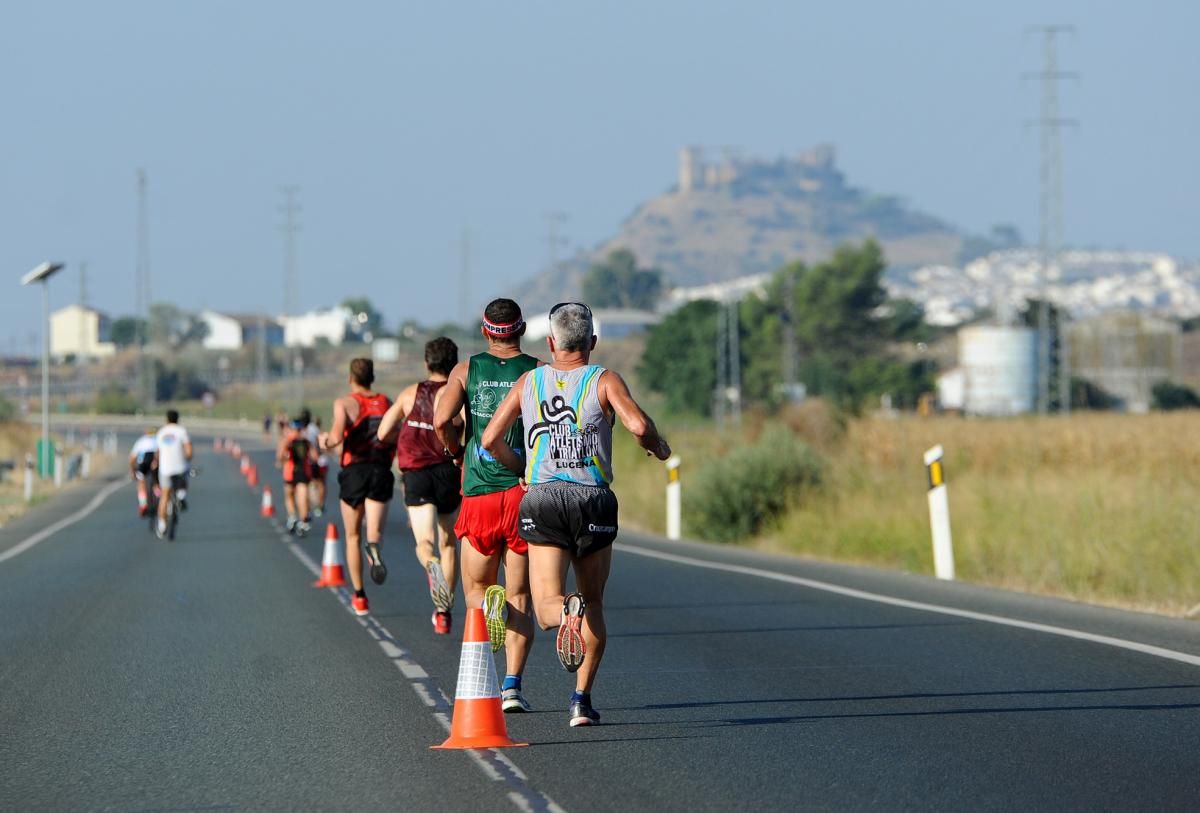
x: 146, y: 384
x: 554, y: 240
x: 735, y: 364
x: 788, y: 337
x: 722, y: 355
x: 1050, y: 234
x: 291, y: 226
x: 464, y: 276
x: 261, y: 358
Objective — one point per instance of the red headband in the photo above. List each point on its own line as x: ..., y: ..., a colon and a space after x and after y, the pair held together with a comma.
x: 503, y: 328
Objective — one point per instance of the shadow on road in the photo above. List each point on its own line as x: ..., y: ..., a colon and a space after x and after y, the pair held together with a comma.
x: 824, y: 628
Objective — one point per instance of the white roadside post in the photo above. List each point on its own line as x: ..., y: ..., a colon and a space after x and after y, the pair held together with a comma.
x: 28, y: 478
x: 674, y: 504
x: 939, y: 515
x: 58, y: 467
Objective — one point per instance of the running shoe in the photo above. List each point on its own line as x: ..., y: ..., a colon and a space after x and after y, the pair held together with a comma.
x: 582, y: 713
x: 439, y: 588
x: 302, y: 528
x: 360, y: 605
x: 513, y: 702
x: 441, y: 622
x: 319, y: 511
x: 569, y: 642
x: 378, y: 568
x: 291, y: 525
x: 495, y: 613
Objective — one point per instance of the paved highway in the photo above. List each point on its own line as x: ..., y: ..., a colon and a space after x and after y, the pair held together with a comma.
x: 207, y: 675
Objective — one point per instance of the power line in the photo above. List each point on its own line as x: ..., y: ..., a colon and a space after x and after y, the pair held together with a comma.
x: 291, y: 284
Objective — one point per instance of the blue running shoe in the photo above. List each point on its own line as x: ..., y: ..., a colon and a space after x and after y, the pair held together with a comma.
x: 582, y: 713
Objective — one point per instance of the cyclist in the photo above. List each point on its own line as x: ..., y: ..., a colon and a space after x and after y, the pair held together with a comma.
x: 141, y: 467
x: 298, y: 456
x: 174, y: 453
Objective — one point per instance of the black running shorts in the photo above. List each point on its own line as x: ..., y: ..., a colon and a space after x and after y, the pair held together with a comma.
x: 440, y: 484
x: 360, y: 482
x: 581, y: 519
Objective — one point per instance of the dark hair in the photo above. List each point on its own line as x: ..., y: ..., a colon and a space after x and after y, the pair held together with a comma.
x: 363, y: 372
x: 504, y: 312
x: 441, y: 354
x: 172, y: 416
x: 305, y: 416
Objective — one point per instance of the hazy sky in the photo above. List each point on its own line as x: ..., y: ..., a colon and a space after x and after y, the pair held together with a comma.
x: 403, y: 122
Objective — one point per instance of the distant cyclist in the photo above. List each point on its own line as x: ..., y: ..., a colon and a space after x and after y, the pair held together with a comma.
x: 432, y: 480
x: 174, y: 461
x: 141, y: 467
x: 297, y: 454
x: 366, y: 479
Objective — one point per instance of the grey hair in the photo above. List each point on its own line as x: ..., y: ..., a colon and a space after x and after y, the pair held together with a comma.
x: 571, y: 327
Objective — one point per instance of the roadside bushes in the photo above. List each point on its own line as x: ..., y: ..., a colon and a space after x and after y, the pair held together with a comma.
x: 735, y: 497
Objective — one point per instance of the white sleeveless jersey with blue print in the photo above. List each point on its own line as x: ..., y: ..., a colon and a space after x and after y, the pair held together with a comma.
x: 568, y: 438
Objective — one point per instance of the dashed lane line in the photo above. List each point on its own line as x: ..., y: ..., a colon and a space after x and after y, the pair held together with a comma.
x: 494, y: 764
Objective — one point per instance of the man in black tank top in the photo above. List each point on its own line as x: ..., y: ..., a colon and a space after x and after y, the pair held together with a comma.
x: 432, y: 490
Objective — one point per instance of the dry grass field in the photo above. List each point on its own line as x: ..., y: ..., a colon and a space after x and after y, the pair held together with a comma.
x: 1096, y: 507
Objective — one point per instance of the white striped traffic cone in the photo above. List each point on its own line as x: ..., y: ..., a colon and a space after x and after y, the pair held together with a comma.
x: 332, y: 572
x: 478, y: 717
x: 268, y: 505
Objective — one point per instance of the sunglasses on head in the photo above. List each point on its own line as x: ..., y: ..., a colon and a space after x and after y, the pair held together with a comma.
x: 564, y: 304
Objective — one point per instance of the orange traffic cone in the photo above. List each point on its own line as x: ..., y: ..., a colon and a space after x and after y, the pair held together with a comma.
x: 245, y: 465
x: 268, y: 506
x: 478, y: 718
x: 332, y: 572
x: 236, y: 450
x: 252, y: 476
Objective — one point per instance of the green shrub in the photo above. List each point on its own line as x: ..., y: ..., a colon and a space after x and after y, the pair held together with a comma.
x: 735, y: 497
x: 115, y: 400
x: 1169, y: 395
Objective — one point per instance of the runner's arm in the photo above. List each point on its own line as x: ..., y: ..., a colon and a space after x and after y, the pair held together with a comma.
x: 395, y: 415
x: 614, y: 393
x: 337, y: 428
x: 448, y: 407
x: 502, y: 420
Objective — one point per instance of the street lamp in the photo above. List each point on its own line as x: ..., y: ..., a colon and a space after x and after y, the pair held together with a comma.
x: 42, y: 274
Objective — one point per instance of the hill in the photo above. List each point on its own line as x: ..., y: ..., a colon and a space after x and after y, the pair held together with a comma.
x: 737, y: 216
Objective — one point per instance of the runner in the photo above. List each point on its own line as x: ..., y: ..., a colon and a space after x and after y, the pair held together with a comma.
x: 321, y: 470
x: 492, y: 494
x: 431, y: 478
x: 569, y: 514
x: 141, y: 467
x: 297, y: 454
x: 366, y: 478
x: 174, y: 454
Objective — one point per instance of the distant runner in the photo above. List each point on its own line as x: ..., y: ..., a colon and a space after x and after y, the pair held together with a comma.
x: 492, y: 494
x: 321, y: 469
x: 298, y: 456
x: 431, y: 478
x: 174, y: 461
x: 366, y: 478
x: 569, y: 514
x: 141, y: 468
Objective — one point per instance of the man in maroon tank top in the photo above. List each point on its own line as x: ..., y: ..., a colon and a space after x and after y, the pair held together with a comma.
x: 366, y: 478
x: 432, y: 480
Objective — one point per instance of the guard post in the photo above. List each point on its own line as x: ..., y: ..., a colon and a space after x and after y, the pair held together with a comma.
x: 939, y: 515
x: 674, y: 504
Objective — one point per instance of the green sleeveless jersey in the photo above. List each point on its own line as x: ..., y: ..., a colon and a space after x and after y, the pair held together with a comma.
x: 488, y: 380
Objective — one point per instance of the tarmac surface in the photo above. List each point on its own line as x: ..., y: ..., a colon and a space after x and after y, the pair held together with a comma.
x: 208, y: 674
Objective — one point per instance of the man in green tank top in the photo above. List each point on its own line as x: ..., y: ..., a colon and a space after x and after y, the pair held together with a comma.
x: 487, y: 520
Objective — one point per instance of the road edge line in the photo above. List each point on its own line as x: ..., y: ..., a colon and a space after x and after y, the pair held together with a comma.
x: 65, y: 522
x: 879, y: 598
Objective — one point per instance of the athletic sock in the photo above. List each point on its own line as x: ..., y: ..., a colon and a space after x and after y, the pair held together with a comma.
x: 360, y: 593
x: 581, y: 697
x: 511, y: 682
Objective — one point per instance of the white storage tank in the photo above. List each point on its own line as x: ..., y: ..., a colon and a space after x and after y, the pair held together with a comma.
x: 1000, y: 369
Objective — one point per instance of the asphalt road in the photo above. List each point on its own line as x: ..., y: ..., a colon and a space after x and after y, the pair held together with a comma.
x: 208, y: 675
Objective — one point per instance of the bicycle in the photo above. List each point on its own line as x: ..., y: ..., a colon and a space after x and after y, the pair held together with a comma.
x: 174, y: 506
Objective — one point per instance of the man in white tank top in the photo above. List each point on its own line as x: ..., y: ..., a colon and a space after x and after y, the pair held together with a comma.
x: 569, y: 514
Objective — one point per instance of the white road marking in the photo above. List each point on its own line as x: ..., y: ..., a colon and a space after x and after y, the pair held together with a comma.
x: 51, y: 530
x: 1066, y: 632
x: 494, y: 765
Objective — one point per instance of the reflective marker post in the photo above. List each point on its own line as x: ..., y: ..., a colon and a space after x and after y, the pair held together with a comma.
x: 674, y: 506
x: 939, y: 515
